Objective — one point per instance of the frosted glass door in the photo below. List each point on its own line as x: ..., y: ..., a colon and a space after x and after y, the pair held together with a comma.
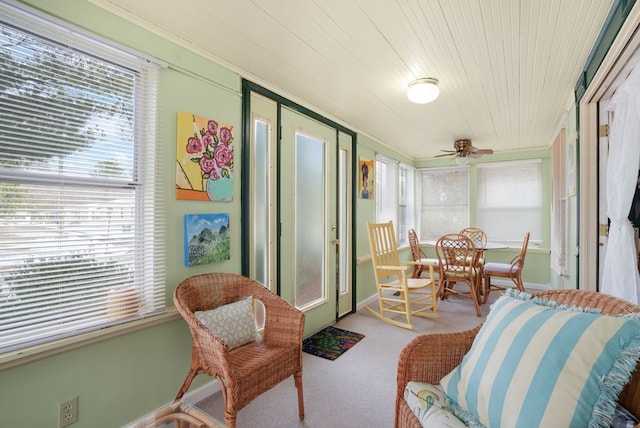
x: 308, y: 218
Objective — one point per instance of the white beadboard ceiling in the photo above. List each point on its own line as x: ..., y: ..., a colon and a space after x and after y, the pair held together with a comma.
x: 507, y: 68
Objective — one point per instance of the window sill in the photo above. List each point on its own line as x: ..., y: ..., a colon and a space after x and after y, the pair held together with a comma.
x: 26, y: 355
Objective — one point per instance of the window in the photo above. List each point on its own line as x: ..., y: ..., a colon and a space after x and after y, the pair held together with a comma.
x: 559, y: 204
x: 444, y: 201
x: 386, y: 190
x: 510, y: 200
x: 80, y: 219
x: 406, y: 206
x: 394, y: 196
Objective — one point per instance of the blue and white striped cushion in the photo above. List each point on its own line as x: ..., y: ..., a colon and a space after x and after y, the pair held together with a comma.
x: 534, y: 365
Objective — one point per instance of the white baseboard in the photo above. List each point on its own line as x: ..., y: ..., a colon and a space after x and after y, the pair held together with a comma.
x: 501, y: 282
x: 527, y: 285
x: 203, y: 392
x: 191, y: 397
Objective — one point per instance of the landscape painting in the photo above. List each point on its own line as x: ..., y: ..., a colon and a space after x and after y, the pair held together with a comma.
x: 206, y: 239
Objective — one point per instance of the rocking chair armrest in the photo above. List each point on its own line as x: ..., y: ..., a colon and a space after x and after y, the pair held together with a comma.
x: 393, y: 267
x: 418, y: 263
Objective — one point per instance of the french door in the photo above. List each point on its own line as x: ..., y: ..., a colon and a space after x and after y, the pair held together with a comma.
x: 299, y: 219
x: 308, y: 217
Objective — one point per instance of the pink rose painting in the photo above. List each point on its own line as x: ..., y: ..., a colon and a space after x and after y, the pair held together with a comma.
x: 204, y: 167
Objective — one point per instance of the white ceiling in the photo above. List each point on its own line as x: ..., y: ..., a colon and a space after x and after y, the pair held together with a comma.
x: 507, y: 68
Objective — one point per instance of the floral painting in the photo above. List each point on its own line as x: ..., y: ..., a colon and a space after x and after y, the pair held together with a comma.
x: 204, y: 167
x: 206, y: 239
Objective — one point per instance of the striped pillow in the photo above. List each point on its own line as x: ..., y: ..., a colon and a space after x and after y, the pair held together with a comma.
x: 536, y: 365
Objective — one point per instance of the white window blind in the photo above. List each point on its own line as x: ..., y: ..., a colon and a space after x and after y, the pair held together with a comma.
x: 510, y: 200
x: 445, y: 201
x: 559, y: 204
x: 406, y: 206
x: 394, y: 196
x: 81, y: 223
x: 386, y: 191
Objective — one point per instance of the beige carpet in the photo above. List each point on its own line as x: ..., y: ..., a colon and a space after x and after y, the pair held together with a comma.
x: 357, y: 389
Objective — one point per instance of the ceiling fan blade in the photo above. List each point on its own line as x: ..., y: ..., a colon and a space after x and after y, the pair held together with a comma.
x: 445, y: 154
x: 475, y: 150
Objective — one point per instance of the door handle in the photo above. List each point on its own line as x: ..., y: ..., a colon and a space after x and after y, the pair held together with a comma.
x: 336, y: 242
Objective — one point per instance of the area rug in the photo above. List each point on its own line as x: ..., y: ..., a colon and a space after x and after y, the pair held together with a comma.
x: 331, y: 342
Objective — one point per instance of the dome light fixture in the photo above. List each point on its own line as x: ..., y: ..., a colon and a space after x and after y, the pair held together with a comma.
x: 462, y: 160
x: 423, y: 90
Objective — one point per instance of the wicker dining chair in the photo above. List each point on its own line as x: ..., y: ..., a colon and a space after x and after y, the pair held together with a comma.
x: 430, y: 357
x: 457, y: 262
x: 512, y: 271
x: 247, y: 371
x: 478, y: 237
x: 421, y: 259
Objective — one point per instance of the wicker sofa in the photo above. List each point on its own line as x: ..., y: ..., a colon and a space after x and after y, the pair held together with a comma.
x: 430, y: 357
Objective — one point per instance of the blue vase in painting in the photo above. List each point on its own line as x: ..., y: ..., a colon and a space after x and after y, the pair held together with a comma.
x: 220, y: 189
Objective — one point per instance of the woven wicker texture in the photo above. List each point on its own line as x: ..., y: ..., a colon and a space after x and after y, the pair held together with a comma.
x: 252, y: 369
x: 418, y: 255
x: 458, y: 263
x: 512, y: 270
x: 430, y: 357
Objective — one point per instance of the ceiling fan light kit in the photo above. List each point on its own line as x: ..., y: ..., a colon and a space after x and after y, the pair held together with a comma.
x: 462, y: 160
x: 423, y: 90
x: 463, y: 150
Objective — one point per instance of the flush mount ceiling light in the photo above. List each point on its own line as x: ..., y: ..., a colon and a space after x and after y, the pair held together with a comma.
x: 424, y: 90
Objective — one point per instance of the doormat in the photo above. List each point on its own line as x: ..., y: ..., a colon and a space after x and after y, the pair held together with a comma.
x: 331, y: 342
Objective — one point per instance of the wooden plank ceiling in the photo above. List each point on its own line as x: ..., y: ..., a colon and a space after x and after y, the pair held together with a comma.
x: 507, y: 68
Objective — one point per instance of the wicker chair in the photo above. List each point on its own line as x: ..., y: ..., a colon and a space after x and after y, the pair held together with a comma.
x: 419, y: 256
x: 430, y: 357
x: 250, y: 370
x: 511, y: 270
x: 458, y: 263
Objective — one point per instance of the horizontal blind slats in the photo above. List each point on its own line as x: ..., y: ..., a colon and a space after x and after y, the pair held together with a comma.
x: 81, y: 228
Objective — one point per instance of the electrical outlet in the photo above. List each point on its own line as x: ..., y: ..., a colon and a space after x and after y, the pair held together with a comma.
x: 68, y: 412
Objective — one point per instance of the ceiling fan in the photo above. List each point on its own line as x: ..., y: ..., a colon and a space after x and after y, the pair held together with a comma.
x: 463, y: 149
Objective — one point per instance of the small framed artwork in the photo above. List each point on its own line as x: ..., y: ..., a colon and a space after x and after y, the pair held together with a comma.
x: 366, y: 172
x: 206, y: 239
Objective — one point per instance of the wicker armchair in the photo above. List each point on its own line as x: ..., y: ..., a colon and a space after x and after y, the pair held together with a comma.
x: 430, y: 357
x: 250, y: 370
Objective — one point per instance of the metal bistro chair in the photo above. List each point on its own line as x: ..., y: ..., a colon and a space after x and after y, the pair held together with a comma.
x: 512, y: 270
x: 397, y: 293
x: 457, y: 258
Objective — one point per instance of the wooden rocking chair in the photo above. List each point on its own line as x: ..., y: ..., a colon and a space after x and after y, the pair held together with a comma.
x: 397, y: 293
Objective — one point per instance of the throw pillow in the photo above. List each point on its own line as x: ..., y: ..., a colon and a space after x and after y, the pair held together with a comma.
x: 534, y: 363
x: 427, y: 402
x: 234, y: 323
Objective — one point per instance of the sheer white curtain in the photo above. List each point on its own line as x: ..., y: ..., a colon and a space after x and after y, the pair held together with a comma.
x: 620, y: 276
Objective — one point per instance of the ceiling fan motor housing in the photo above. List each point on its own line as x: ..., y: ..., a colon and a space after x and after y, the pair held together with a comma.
x: 461, y: 146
